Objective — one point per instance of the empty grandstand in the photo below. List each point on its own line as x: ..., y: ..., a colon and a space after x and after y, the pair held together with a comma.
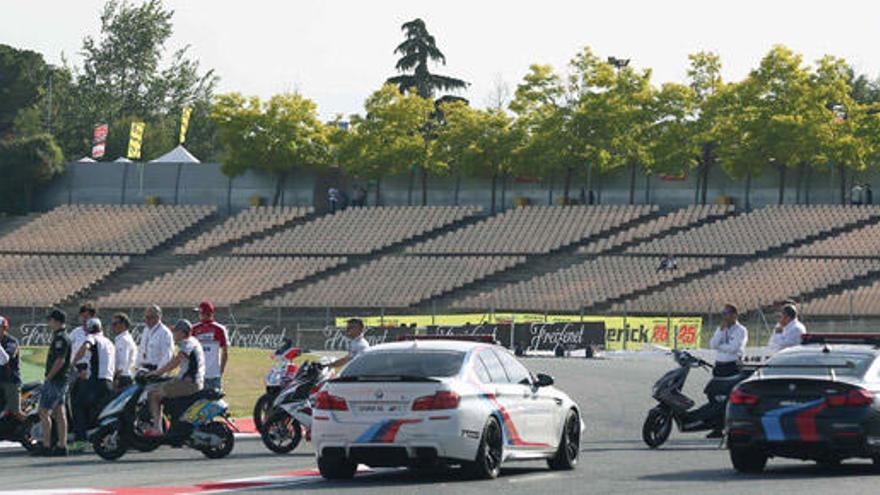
x: 860, y: 301
x: 753, y: 285
x: 761, y: 230
x: 396, y: 281
x: 223, y: 280
x: 29, y: 281
x: 678, y: 219
x: 246, y: 223
x: 359, y: 230
x: 535, y: 229
x: 585, y: 285
x: 102, y: 229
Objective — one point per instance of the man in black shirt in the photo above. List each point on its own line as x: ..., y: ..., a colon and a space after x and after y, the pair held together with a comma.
x: 54, y: 391
x: 10, y: 373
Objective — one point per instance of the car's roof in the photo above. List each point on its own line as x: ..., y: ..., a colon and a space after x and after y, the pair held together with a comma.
x: 819, y: 349
x: 431, y: 345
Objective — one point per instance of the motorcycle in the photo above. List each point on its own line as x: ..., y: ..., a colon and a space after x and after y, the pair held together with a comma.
x: 281, y: 374
x: 292, y: 410
x: 199, y: 421
x: 675, y: 407
x: 26, y: 431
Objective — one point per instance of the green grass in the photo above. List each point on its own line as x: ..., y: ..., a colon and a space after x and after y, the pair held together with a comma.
x: 243, y: 382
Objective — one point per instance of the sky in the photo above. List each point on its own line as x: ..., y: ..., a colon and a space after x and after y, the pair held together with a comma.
x: 338, y: 52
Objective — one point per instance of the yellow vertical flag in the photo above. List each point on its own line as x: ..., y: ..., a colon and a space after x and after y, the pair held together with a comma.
x: 135, y: 139
x: 184, y: 123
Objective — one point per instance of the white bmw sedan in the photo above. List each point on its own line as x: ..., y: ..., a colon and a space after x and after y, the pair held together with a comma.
x: 430, y: 402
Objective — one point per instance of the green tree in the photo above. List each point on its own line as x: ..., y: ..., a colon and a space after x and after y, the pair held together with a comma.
x: 478, y: 143
x: 23, y: 76
x: 25, y: 165
x: 416, y: 52
x: 390, y: 138
x: 124, y: 77
x: 278, y: 136
x: 705, y: 80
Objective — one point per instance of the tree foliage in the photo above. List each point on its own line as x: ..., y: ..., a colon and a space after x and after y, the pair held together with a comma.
x: 26, y: 164
x: 278, y: 136
x: 416, y: 52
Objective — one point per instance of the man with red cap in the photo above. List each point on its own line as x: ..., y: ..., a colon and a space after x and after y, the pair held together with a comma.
x: 215, y: 342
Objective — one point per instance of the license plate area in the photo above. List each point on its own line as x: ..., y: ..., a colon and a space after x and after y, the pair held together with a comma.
x: 379, y: 407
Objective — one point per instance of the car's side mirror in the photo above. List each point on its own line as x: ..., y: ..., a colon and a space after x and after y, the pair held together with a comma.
x: 543, y: 380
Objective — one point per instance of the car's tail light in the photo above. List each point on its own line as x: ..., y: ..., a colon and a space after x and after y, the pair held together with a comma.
x: 329, y: 402
x: 743, y: 398
x: 440, y: 400
x: 857, y: 397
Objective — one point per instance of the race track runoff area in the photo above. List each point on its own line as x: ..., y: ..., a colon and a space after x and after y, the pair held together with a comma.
x: 614, y: 394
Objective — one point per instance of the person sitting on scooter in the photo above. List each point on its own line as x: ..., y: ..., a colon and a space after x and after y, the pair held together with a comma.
x: 729, y: 342
x: 788, y: 332
x: 10, y: 372
x: 190, y: 379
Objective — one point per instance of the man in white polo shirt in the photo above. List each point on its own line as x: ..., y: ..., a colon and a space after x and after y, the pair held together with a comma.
x: 788, y: 332
x: 157, y: 344
x: 729, y: 342
x: 126, y: 351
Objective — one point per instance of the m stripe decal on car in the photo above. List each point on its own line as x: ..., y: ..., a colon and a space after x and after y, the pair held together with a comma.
x: 772, y: 421
x: 384, y: 431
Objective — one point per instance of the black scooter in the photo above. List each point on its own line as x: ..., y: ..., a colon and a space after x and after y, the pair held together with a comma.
x: 676, y: 407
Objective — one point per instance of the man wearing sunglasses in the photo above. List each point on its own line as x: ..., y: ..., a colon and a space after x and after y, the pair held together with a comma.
x: 729, y: 342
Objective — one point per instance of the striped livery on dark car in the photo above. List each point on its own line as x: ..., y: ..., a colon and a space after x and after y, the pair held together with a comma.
x: 817, y: 401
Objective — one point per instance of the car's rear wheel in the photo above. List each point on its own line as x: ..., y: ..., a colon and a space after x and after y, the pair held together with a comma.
x: 569, y: 444
x: 657, y: 427
x: 336, y: 468
x: 487, y: 464
x: 748, y: 460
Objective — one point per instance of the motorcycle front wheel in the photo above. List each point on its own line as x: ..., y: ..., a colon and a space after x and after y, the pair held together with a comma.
x: 262, y: 409
x: 227, y: 440
x: 31, y: 433
x: 281, y: 433
x: 657, y: 427
x: 108, y: 443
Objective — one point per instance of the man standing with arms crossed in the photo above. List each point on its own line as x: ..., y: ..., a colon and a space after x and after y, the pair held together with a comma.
x: 729, y: 342
x: 215, y: 343
x: 157, y: 345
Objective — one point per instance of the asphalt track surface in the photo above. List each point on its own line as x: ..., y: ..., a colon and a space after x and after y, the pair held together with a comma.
x: 614, y: 394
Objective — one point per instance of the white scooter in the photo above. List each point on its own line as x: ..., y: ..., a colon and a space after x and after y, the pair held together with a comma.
x: 291, y: 413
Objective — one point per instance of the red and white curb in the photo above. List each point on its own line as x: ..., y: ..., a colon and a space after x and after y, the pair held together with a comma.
x: 228, y: 486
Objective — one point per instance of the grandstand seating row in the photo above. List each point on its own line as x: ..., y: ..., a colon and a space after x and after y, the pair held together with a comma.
x: 223, y: 280
x: 40, y: 281
x: 677, y: 219
x: 760, y: 230
x: 102, y: 229
x: 586, y: 284
x: 456, y: 258
x: 533, y: 230
x: 860, y: 301
x: 246, y: 223
x: 359, y: 230
x: 396, y: 281
x: 755, y: 284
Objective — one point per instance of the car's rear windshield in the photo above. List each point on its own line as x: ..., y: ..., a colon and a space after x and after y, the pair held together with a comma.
x: 819, y: 364
x: 426, y: 364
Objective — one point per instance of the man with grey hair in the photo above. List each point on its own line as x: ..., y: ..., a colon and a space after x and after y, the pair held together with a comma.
x: 156, y: 347
x: 789, y: 331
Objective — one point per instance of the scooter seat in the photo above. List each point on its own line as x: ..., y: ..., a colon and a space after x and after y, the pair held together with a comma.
x: 30, y: 386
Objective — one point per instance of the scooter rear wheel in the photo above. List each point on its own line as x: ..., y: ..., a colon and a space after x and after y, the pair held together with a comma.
x: 657, y: 427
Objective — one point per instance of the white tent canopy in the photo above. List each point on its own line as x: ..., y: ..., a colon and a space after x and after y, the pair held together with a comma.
x: 177, y: 155
x: 86, y: 159
x: 122, y: 159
